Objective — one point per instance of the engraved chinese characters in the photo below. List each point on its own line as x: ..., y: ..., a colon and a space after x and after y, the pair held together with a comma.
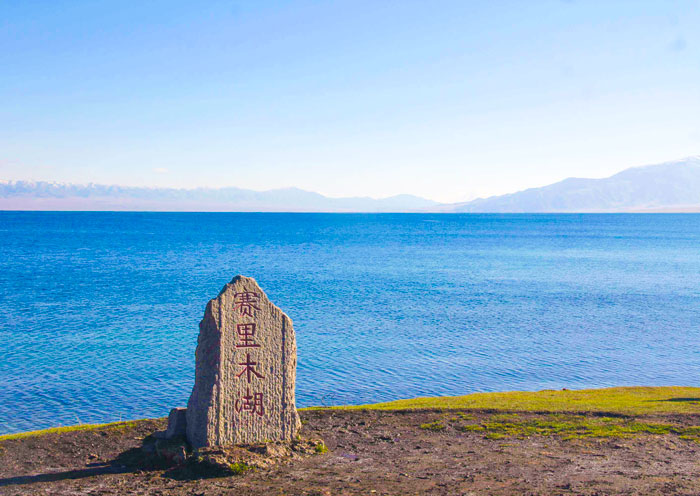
x: 245, y: 371
x: 244, y: 305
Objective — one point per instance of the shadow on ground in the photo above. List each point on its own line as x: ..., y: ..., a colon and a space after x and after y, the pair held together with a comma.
x: 130, y: 461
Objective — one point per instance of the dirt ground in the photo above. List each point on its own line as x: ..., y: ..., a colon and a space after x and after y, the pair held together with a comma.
x: 371, y: 452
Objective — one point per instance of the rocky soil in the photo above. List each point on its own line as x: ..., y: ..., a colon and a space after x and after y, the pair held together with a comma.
x: 369, y: 452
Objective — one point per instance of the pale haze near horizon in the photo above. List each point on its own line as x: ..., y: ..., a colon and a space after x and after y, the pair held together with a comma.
x: 445, y: 100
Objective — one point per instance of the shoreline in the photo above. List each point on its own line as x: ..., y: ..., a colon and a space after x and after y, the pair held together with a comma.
x: 621, y: 400
x: 586, y: 442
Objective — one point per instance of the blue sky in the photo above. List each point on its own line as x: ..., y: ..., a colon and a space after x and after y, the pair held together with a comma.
x: 443, y: 99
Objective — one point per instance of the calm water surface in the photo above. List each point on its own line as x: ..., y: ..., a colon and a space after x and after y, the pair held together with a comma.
x: 99, y: 311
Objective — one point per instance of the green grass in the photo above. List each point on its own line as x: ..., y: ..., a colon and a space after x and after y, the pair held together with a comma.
x: 571, y: 427
x: 321, y: 448
x: 434, y: 426
x: 238, y: 468
x: 620, y: 400
x: 616, y: 401
x: 71, y: 428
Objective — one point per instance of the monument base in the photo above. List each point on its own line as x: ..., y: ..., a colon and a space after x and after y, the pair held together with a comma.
x: 227, y: 460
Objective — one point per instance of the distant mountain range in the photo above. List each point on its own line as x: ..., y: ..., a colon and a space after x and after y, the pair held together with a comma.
x: 31, y: 195
x: 671, y: 186
x: 668, y: 187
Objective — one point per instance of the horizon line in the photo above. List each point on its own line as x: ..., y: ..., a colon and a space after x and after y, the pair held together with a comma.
x: 359, y: 196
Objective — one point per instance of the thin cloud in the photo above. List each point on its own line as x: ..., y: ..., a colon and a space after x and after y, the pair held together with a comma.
x: 678, y: 45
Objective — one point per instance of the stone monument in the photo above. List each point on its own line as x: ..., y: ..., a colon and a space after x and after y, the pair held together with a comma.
x: 245, y: 372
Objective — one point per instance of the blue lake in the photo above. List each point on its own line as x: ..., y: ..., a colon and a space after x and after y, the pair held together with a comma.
x: 99, y: 312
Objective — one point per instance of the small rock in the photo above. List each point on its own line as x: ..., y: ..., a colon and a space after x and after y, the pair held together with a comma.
x: 277, y: 450
x: 177, y: 423
x: 171, y: 451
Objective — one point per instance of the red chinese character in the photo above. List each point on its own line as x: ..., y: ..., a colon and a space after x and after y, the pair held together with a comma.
x: 249, y: 368
x: 245, y: 302
x: 251, y: 403
x: 246, y: 332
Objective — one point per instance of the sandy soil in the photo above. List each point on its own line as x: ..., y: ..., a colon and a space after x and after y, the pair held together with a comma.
x: 370, y: 452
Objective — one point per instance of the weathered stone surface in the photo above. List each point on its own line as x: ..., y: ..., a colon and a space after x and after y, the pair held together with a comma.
x: 177, y: 423
x: 245, y: 371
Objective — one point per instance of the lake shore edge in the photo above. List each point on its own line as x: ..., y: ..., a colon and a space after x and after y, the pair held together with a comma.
x: 623, y: 400
x: 629, y: 440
